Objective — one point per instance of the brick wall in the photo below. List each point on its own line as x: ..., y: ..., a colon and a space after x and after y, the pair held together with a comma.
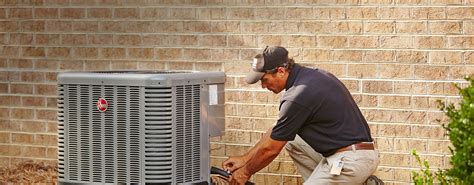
x: 397, y: 57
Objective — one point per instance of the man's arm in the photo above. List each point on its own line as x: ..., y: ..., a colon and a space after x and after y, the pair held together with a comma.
x: 257, y: 158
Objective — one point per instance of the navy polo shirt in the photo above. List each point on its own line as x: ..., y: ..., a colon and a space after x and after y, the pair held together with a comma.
x: 320, y: 109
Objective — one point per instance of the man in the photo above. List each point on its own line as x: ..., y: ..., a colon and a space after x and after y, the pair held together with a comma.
x: 319, y: 124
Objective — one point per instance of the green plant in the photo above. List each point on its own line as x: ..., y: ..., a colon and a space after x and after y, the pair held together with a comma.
x: 461, y: 134
x: 425, y: 176
x: 460, y: 130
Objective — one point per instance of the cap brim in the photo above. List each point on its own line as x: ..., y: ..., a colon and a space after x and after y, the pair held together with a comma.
x: 254, y: 77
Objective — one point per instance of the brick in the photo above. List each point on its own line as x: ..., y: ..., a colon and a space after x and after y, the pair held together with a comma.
x: 169, y: 53
x: 396, y: 71
x: 85, y: 26
x: 83, y: 52
x: 133, y: 40
x: 267, y: 179
x: 74, y: 39
x: 270, y: 40
x: 446, y: 2
x: 126, y: 13
x: 395, y: 101
x: 396, y: 42
x: 33, y: 26
x: 5, y: 137
x: 430, y: 42
x: 112, y: 52
x: 460, y: 42
x: 55, y: 2
x: 122, y: 65
x: 379, y: 56
x: 395, y: 13
x: 394, y: 159
x: 3, y: 88
x: 411, y: 27
x: 21, y: 39
x: 100, y: 39
x: 48, y: 39
x: 52, y: 153
x: 10, y: 100
x: 363, y: 42
x: 3, y: 13
x: 438, y: 146
x: 350, y: 27
x: 348, y: 55
x: 459, y: 13
x: 432, y: 132
x: 82, y: 3
x: 10, y: 150
x: 72, y: 65
x: 14, y: 76
x: 379, y: 27
x: 240, y: 13
x: 445, y: 57
x: 289, y: 27
x: 21, y: 13
x: 270, y: 13
x: 188, y: 40
x: 22, y: 138
x: 96, y: 65
x: 445, y: 27
x: 431, y: 72
x: 335, y: 69
x: 179, y: 66
x: 21, y: 89
x: 428, y: 13
x: 110, y: 26
x: 51, y: 76
x: 99, y: 13
x: 51, y: 102
x: 412, y: 57
x: 316, y: 55
x: 299, y: 13
x: 469, y: 57
x: 30, y: 76
x: 46, y: 89
x: 31, y: 151
x: 4, y: 113
x: 253, y: 27
x: 362, y: 70
x: 460, y: 72
x: 379, y: 87
x: 352, y: 85
x: 11, y: 51
x: 197, y: 54
x: 20, y: 64
x: 384, y: 144
x: 301, y: 41
x: 361, y: 13
x: 242, y: 40
x: 154, y: 13
x: 58, y: 26
x: 22, y: 113
x: 46, y: 13
x: 212, y: 40
x: 58, y: 52
x: 196, y: 26
x: 72, y: 13
x: 9, y: 26
x: 183, y: 13
x: 225, y: 54
x: 332, y: 41
x: 144, y: 53
x: 46, y: 114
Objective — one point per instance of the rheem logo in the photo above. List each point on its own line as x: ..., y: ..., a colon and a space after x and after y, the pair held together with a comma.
x: 102, y: 105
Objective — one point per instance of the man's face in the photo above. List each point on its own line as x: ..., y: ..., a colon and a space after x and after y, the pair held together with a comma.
x: 274, y: 82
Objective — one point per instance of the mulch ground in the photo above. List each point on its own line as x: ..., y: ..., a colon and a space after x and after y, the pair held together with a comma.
x: 29, y: 172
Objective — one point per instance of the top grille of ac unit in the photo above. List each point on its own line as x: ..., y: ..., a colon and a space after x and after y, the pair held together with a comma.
x: 155, y: 130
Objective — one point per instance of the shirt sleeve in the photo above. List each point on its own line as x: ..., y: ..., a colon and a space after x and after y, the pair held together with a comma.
x: 291, y: 118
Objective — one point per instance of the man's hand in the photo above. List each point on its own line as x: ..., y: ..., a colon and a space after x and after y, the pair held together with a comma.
x: 239, y: 177
x: 233, y: 163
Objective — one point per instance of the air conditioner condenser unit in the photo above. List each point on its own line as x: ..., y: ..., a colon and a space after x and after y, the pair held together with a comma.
x: 138, y: 126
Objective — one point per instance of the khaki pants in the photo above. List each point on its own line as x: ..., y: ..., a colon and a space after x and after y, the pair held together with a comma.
x: 315, y: 169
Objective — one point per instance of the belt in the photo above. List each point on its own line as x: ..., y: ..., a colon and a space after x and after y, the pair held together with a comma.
x: 357, y: 146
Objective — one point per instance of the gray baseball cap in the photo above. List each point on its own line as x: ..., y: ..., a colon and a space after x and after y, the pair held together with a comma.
x: 271, y: 58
